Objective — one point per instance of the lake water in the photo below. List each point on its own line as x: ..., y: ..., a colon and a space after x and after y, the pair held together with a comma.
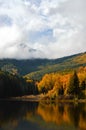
x: 39, y: 116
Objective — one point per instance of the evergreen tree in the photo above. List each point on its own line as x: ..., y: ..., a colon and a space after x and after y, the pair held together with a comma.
x: 73, y: 87
x: 83, y: 85
x: 61, y: 91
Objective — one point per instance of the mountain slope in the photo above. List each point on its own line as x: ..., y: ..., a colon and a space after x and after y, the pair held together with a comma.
x: 60, y: 65
x: 36, y: 68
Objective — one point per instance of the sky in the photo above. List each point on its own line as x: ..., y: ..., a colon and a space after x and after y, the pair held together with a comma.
x: 42, y: 28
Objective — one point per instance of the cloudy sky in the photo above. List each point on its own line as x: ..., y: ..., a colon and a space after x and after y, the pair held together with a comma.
x: 42, y: 28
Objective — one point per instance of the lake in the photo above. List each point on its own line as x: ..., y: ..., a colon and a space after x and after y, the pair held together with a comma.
x: 16, y: 115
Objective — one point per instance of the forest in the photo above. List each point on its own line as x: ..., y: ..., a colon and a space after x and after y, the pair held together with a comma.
x: 13, y: 85
x: 64, y: 85
x: 63, y: 78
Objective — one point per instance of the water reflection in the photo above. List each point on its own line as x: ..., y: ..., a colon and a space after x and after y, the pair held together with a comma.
x: 13, y: 113
x: 70, y: 114
x: 39, y: 116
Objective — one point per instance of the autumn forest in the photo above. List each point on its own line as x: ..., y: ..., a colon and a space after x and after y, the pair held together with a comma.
x: 55, y: 79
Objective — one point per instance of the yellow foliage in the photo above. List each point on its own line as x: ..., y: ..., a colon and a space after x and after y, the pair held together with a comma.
x: 29, y: 81
x: 52, y: 82
x: 82, y: 123
x: 50, y: 113
x: 60, y: 114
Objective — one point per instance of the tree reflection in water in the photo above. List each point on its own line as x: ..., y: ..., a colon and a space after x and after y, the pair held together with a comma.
x: 12, y: 112
x: 17, y: 115
x: 69, y: 113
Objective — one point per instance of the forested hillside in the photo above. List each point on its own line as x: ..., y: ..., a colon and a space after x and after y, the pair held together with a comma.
x: 65, y: 64
x: 63, y: 76
x: 36, y: 68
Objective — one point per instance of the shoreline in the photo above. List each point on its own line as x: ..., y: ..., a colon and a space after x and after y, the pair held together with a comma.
x: 38, y: 98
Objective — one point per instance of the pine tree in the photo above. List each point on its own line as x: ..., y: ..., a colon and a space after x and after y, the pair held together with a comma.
x: 83, y: 85
x: 73, y: 87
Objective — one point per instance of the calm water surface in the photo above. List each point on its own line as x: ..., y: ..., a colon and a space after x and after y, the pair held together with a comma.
x: 38, y: 116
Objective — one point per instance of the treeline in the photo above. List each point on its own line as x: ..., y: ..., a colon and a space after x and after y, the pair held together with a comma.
x: 13, y: 85
x: 54, y: 85
x: 64, y: 85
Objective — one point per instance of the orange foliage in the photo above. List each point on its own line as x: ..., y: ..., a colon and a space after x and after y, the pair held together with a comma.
x: 82, y: 123
x: 53, y: 81
x: 60, y: 114
x: 50, y: 113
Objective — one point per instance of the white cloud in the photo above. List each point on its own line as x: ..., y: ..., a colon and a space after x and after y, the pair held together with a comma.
x: 42, y: 28
x: 9, y: 34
